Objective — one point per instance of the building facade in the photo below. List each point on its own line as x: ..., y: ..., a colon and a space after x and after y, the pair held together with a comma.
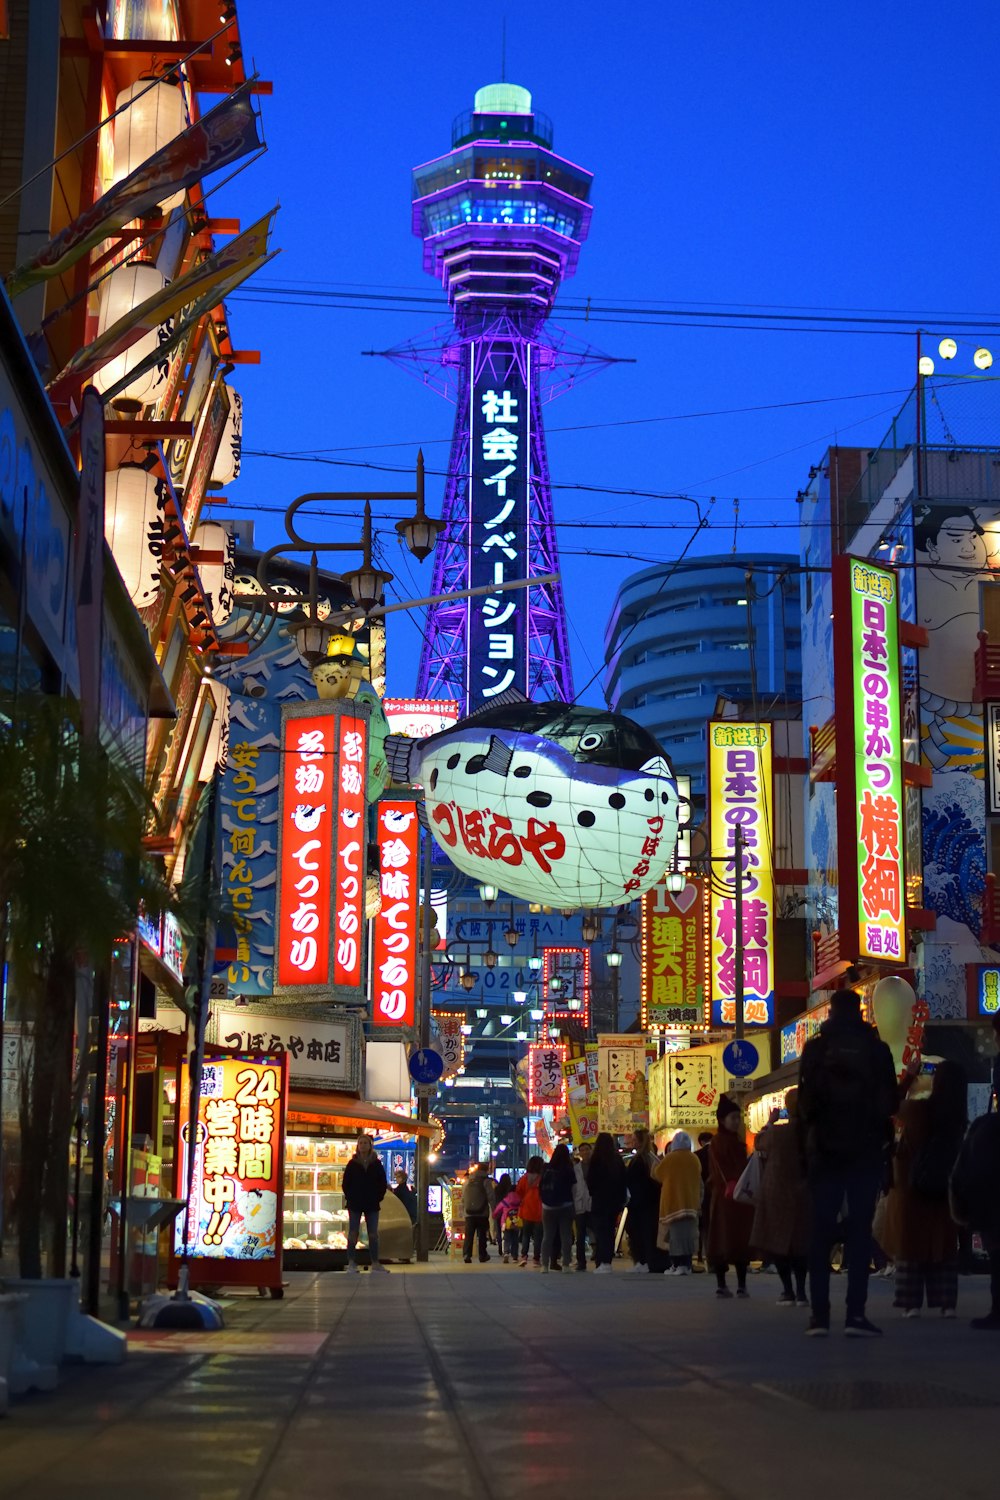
x: 681, y: 636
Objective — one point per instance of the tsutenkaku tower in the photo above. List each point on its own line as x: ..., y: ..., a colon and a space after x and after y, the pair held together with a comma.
x: 502, y: 219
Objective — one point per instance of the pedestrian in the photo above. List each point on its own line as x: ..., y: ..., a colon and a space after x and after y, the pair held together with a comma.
x: 605, y: 1173
x: 556, y: 1189
x: 643, y: 1203
x: 405, y: 1194
x: 780, y: 1230
x: 478, y: 1207
x: 508, y: 1225
x: 581, y: 1205
x: 731, y: 1222
x: 364, y: 1186
x: 702, y: 1154
x: 848, y: 1096
x: 919, y: 1234
x: 679, y: 1179
x: 531, y: 1210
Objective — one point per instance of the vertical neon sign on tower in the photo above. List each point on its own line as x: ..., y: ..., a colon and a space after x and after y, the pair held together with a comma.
x: 869, y: 759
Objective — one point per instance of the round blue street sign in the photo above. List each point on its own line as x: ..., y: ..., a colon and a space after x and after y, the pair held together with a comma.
x: 740, y: 1059
x: 426, y: 1065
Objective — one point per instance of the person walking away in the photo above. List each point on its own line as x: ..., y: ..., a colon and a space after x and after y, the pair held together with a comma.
x: 780, y: 1231
x: 704, y: 1141
x: 505, y: 1218
x: 643, y: 1203
x: 478, y: 1207
x: 405, y: 1194
x: 679, y: 1179
x: 919, y: 1233
x: 730, y: 1223
x: 556, y: 1188
x: 605, y: 1174
x: 581, y: 1206
x: 364, y: 1186
x: 848, y: 1096
x: 531, y: 1210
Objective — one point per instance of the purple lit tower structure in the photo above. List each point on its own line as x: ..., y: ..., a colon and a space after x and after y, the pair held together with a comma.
x: 502, y: 219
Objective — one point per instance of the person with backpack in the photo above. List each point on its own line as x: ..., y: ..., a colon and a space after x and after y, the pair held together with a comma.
x: 479, y: 1199
x: 605, y: 1174
x: 531, y: 1210
x: 505, y: 1217
x: 847, y: 1098
x: 919, y: 1233
x: 556, y: 1189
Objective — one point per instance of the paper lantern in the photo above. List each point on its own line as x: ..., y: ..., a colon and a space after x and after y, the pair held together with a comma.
x: 227, y: 461
x: 217, y: 579
x: 152, y: 117
x: 553, y: 803
x: 126, y: 288
x: 134, y: 528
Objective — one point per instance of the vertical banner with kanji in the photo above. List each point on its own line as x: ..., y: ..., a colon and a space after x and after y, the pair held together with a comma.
x: 499, y: 495
x: 236, y: 1203
x: 581, y: 1099
x: 622, y: 1095
x: 566, y: 983
x: 394, y: 934
x: 740, y: 797
x: 322, y: 843
x: 450, y: 1042
x: 868, y: 712
x: 672, y: 977
x: 546, y: 1084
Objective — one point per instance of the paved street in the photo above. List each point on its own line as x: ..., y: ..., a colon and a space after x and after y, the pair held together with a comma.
x: 502, y: 1382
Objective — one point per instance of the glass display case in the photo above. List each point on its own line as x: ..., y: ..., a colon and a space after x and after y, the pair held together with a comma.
x: 315, y: 1216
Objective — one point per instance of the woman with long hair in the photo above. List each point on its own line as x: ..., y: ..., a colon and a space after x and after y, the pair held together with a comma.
x: 730, y: 1223
x: 781, y: 1215
x: 605, y: 1174
x: 530, y: 1211
x: 643, y: 1203
x: 556, y: 1189
x: 919, y: 1233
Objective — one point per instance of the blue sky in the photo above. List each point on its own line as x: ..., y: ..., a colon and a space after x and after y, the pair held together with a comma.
x: 807, y: 157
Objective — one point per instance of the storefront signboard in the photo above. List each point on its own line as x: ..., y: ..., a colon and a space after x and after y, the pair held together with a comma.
x: 674, y: 958
x: 394, y: 933
x: 570, y: 968
x: 622, y: 1096
x: 546, y: 1084
x: 419, y: 718
x: 740, y: 792
x: 322, y: 1054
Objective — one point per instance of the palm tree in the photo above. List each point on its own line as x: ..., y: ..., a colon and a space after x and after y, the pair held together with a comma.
x: 73, y: 876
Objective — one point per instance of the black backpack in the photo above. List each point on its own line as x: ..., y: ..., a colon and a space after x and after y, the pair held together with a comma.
x: 974, y: 1188
x: 854, y: 1116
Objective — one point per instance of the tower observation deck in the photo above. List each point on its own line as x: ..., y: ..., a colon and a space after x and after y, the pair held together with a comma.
x: 502, y: 219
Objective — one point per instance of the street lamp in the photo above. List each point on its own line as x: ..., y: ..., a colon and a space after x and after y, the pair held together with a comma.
x: 613, y: 958
x: 702, y: 864
x: 488, y: 893
x: 590, y: 928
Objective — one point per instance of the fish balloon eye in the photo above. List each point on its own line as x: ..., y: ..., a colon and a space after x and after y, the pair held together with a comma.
x: 591, y: 741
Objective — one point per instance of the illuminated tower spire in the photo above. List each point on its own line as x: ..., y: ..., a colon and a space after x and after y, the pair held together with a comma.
x: 502, y: 218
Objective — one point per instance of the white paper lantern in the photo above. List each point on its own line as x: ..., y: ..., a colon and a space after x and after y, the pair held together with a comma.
x: 134, y: 528
x: 227, y: 461
x: 154, y: 118
x: 217, y: 579
x: 125, y: 289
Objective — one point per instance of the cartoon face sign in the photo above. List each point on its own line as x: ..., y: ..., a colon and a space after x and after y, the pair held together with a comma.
x: 306, y: 818
x: 258, y: 1209
x: 395, y: 820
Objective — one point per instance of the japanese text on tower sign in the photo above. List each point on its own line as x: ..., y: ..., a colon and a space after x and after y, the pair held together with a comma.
x: 394, y: 962
x: 740, y: 781
x: 498, y: 514
x: 878, y: 757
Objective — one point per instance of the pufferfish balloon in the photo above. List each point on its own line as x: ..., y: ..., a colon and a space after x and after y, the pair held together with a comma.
x: 567, y: 806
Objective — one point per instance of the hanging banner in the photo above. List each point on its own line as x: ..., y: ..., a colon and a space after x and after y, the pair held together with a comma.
x: 991, y: 740
x: 740, y: 797
x: 622, y: 1096
x: 566, y: 983
x: 499, y: 498
x: 546, y: 1084
x: 394, y: 933
x: 674, y: 958
x: 226, y: 134
x: 351, y: 844
x: 869, y: 745
x: 238, y: 1166
x: 451, y: 1042
x: 419, y: 718
x: 88, y: 560
x: 581, y: 1098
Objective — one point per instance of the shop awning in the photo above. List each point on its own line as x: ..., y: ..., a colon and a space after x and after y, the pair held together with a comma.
x: 341, y: 1109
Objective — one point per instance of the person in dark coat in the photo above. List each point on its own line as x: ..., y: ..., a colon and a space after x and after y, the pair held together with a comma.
x: 479, y: 1204
x: 919, y: 1234
x: 781, y: 1214
x: 556, y: 1189
x: 363, y: 1186
x: 605, y: 1173
x: 730, y: 1223
x: 704, y: 1141
x: 848, y: 1096
x: 643, y: 1204
x: 405, y: 1194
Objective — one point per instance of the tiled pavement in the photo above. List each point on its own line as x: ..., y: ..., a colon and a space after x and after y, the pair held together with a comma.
x: 498, y: 1382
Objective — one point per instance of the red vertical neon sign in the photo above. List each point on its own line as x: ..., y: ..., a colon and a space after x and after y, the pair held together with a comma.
x: 308, y: 794
x: 349, y: 855
x: 394, y: 965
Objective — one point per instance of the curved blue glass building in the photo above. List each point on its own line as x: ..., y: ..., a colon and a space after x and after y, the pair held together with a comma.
x: 682, y: 635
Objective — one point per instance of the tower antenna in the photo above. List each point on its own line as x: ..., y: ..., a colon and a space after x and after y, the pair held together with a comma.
x: 503, y: 50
